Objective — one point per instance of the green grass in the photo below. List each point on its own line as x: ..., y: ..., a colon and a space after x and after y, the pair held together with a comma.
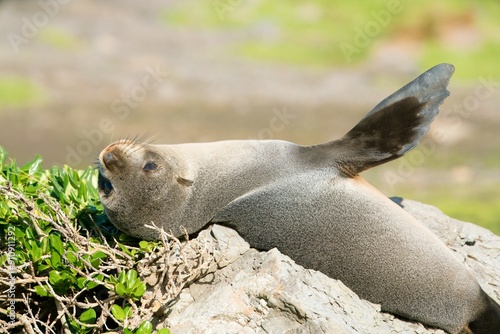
x: 447, y: 159
x: 478, y: 204
x: 469, y: 64
x: 312, y: 33
x: 17, y: 91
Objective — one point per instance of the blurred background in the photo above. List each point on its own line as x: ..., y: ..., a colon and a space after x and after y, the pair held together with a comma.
x: 76, y: 75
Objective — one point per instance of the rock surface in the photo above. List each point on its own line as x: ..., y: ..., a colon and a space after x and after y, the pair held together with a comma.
x: 266, y: 292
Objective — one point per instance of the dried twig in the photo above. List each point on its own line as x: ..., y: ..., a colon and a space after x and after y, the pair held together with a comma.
x: 170, y: 266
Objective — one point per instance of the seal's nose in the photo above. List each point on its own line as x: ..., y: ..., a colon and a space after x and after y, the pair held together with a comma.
x: 112, y: 157
x: 109, y: 159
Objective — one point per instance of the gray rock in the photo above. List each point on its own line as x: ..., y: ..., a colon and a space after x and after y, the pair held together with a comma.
x: 477, y: 247
x: 266, y: 292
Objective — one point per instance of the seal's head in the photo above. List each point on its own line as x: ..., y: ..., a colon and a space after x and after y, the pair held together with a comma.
x: 136, y: 181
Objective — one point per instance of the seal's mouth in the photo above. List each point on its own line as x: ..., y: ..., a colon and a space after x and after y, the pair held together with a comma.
x: 104, y: 184
x: 110, y: 160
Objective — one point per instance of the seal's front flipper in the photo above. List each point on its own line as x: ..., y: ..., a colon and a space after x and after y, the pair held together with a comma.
x: 395, y: 125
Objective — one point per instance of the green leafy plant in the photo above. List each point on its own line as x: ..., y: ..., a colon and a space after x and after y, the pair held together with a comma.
x: 129, y: 285
x: 63, y: 265
x: 120, y: 313
x: 87, y: 317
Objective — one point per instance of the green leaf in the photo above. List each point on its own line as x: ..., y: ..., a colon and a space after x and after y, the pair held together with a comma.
x: 120, y: 289
x: 92, y: 191
x: 72, y: 258
x: 131, y: 278
x: 145, y: 328
x: 130, y: 285
x: 118, y: 312
x: 82, y: 193
x: 88, y: 317
x: 56, y: 243
x: 75, y: 326
x: 112, y: 280
x: 147, y: 246
x: 62, y: 280
x: 56, y: 250
x: 99, y: 255
x: 127, y: 331
x: 3, y: 157
x: 90, y: 284
x: 121, y: 313
x: 121, y: 276
x: 54, y: 277
x: 55, y: 181
x: 42, y: 291
x: 139, y: 290
x: 163, y: 331
x: 74, y: 179
x: 97, y: 258
x: 143, y: 245
x: 126, y: 250
x: 30, y: 234
x: 72, y: 255
x: 81, y: 282
x: 128, y: 311
x: 34, y: 166
x: 19, y: 233
x: 34, y: 251
x: 45, y: 245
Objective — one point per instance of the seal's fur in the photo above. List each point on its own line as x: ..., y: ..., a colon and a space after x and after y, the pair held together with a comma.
x: 310, y: 203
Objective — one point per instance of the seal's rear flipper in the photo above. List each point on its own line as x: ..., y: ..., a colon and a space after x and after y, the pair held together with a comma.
x: 395, y: 125
x: 488, y: 321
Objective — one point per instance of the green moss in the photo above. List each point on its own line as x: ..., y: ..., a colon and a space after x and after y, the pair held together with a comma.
x: 16, y: 91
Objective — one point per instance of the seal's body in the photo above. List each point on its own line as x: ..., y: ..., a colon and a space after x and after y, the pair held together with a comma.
x: 310, y: 203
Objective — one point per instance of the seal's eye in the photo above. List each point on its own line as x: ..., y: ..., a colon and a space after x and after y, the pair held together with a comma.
x: 150, y: 166
x: 107, y: 187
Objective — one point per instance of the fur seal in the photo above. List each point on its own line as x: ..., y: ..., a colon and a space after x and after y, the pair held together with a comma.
x: 311, y: 204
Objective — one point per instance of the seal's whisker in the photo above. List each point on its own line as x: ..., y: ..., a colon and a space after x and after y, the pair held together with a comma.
x: 138, y: 142
x: 97, y: 162
x: 144, y: 138
x: 127, y: 143
x: 149, y: 138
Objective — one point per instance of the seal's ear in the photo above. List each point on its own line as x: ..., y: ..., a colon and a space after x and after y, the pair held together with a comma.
x: 395, y: 125
x: 185, y: 182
